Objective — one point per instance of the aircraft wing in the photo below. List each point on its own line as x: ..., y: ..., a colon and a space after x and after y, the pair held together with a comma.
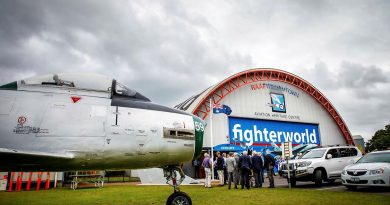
x: 308, y: 147
x: 276, y: 147
x: 298, y: 148
x: 278, y: 152
x: 18, y: 160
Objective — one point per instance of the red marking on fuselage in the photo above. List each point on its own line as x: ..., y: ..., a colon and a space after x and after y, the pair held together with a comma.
x: 22, y: 120
x: 75, y: 99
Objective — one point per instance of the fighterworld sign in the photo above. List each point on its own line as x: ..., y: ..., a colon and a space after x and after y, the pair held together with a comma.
x: 258, y: 132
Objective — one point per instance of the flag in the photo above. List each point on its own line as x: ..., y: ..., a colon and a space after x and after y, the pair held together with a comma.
x: 218, y: 108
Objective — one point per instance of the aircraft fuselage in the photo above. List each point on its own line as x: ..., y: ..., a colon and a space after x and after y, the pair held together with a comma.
x: 46, y: 128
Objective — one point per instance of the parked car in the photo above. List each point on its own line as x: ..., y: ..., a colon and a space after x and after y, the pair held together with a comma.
x: 371, y: 170
x: 321, y: 164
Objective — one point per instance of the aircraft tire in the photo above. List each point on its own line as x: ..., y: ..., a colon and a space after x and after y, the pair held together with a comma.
x: 179, y: 198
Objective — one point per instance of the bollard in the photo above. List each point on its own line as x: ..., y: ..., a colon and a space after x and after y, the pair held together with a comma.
x: 39, y: 181
x: 28, y: 187
x: 47, y: 185
x: 17, y: 182
x: 20, y: 181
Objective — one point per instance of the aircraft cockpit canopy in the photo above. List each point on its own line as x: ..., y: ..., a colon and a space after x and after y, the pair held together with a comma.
x: 79, y: 81
x: 88, y: 81
x: 123, y: 91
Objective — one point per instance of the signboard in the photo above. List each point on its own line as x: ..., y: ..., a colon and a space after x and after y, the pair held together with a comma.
x: 3, y: 182
x: 278, y: 103
x: 286, y: 150
x: 228, y: 148
x: 257, y: 132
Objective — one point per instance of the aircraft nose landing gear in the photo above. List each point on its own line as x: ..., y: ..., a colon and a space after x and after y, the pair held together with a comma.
x: 178, y: 197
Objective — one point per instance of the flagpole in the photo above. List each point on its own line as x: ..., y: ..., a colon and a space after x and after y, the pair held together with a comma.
x: 211, y: 140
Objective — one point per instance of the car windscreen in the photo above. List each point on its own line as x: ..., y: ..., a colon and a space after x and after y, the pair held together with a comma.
x: 375, y: 157
x: 315, y: 153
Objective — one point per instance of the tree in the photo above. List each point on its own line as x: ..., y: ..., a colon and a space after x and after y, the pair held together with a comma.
x: 381, y: 140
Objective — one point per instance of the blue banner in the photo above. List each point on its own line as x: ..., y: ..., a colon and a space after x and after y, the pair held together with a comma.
x: 256, y: 132
x: 228, y: 148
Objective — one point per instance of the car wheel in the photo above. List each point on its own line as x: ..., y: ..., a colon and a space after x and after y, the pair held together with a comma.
x: 351, y: 188
x: 318, y: 177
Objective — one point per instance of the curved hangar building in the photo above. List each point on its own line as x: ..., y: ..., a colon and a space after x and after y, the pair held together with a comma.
x: 262, y: 108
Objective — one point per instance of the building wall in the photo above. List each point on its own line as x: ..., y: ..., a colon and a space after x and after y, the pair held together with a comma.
x: 251, y: 101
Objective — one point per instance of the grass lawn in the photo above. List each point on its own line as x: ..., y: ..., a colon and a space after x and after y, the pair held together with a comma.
x: 217, y: 195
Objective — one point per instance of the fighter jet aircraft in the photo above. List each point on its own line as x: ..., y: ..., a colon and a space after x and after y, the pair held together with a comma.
x: 297, y: 149
x: 69, y: 122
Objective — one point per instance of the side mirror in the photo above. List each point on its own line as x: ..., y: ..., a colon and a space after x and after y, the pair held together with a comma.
x: 329, y: 156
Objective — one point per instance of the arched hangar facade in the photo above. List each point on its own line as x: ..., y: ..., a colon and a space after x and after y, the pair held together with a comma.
x: 268, y: 107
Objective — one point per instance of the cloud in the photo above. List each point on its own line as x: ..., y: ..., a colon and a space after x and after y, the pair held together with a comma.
x: 155, y: 48
x: 171, y: 50
x: 359, y: 93
x: 358, y: 76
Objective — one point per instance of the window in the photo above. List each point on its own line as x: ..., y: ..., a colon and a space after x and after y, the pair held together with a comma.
x: 353, y: 152
x: 344, y: 152
x: 314, y: 153
x: 375, y: 158
x: 334, y: 153
x: 348, y: 152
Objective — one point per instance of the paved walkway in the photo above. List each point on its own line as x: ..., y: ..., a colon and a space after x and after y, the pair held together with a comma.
x: 336, y: 186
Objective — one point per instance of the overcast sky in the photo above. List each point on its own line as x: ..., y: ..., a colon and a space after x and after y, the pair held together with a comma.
x: 170, y: 50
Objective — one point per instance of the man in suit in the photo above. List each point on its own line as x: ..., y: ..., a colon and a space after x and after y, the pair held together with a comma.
x: 257, y: 164
x: 262, y: 170
x: 220, y: 165
x: 225, y: 172
x: 237, y: 171
x: 269, y: 163
x: 231, y: 166
x: 245, y: 165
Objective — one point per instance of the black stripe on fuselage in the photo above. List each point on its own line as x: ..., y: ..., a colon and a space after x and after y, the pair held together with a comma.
x: 131, y: 103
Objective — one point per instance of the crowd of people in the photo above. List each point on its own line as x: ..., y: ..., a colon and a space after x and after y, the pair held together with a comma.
x: 238, y: 170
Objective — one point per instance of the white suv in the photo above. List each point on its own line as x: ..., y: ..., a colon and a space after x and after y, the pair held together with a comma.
x: 321, y: 164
